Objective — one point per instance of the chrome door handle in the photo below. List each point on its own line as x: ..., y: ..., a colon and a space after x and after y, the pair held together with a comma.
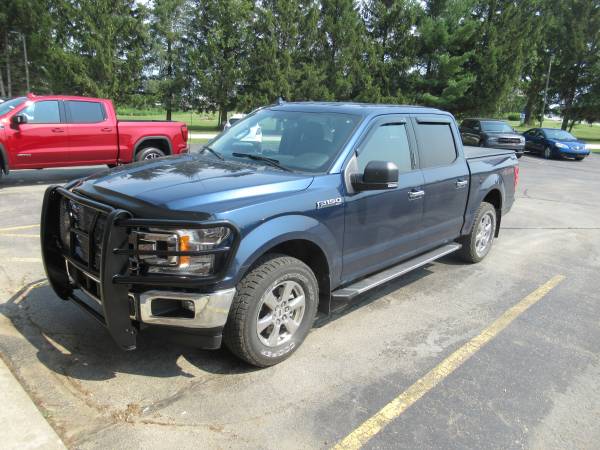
x: 461, y: 183
x: 416, y: 194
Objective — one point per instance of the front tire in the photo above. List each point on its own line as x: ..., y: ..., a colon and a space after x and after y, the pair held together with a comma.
x: 273, y: 310
x: 579, y: 158
x: 149, y: 153
x: 478, y: 243
x: 547, y: 152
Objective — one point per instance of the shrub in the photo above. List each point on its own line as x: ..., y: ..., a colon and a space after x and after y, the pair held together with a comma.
x: 513, y: 116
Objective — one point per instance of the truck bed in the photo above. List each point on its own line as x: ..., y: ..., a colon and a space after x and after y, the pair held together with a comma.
x: 483, y: 152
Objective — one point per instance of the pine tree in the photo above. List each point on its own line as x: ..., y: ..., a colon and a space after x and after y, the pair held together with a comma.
x: 346, y: 53
x: 168, y: 27
x: 219, y: 39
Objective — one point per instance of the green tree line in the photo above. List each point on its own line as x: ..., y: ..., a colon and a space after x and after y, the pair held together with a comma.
x: 482, y: 57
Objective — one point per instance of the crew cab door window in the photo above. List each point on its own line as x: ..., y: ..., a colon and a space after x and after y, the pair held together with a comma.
x: 388, y: 142
x: 85, y: 112
x: 437, y: 144
x: 43, y: 112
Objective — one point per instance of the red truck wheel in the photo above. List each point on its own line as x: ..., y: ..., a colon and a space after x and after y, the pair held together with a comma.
x: 149, y: 153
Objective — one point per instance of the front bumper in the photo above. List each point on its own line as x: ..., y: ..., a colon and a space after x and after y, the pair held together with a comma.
x: 105, y: 288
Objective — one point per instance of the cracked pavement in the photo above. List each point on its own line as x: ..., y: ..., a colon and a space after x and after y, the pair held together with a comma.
x: 535, y: 385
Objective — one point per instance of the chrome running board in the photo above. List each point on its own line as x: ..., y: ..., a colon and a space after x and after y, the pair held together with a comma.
x: 379, y: 278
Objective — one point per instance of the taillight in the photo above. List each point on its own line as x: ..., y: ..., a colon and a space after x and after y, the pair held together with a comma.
x: 516, y: 168
x: 184, y: 132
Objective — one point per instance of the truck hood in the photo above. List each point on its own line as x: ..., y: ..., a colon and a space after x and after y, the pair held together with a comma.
x: 189, y: 183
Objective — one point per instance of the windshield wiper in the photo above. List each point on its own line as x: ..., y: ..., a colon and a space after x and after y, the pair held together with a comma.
x: 270, y: 161
x: 214, y: 152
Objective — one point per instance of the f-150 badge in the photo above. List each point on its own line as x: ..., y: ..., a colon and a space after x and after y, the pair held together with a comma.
x: 328, y: 203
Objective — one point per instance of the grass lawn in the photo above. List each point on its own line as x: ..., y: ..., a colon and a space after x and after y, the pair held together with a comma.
x: 585, y: 132
x: 199, y: 122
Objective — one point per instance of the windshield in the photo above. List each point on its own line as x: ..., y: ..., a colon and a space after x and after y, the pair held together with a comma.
x: 559, y: 135
x: 10, y: 105
x: 298, y: 141
x: 496, y: 127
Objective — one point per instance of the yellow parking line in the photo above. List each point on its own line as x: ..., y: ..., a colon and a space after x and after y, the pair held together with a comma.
x: 27, y: 291
x: 20, y: 235
x: 21, y: 227
x: 27, y: 260
x: 396, y: 407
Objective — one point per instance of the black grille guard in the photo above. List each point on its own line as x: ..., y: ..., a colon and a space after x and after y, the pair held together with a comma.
x: 114, y: 277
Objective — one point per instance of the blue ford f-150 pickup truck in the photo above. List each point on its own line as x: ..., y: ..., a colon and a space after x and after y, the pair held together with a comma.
x: 244, y: 241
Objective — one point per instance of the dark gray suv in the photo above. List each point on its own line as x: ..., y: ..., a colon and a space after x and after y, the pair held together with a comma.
x: 491, y: 133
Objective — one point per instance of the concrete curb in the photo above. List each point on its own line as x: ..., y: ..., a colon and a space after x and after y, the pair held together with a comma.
x: 23, y: 426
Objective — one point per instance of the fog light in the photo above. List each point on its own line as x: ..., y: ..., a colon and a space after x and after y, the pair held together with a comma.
x: 189, y: 305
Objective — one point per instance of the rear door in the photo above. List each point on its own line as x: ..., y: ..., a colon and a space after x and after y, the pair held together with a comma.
x: 380, y: 225
x: 44, y: 140
x: 446, y: 178
x: 93, y: 138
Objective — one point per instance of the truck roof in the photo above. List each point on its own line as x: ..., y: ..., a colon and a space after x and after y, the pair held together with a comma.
x: 362, y: 109
x: 62, y: 97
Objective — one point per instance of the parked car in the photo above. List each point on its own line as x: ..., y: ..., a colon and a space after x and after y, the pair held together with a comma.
x: 555, y: 143
x: 243, y: 243
x: 491, y: 133
x: 37, y: 132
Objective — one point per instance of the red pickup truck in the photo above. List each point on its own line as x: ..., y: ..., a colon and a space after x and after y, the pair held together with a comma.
x: 57, y: 131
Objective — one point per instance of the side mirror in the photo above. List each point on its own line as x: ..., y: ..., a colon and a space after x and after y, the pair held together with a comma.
x: 377, y: 175
x: 19, y: 119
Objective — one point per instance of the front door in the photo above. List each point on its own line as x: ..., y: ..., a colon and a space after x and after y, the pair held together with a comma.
x: 446, y: 178
x: 41, y: 142
x: 380, y: 226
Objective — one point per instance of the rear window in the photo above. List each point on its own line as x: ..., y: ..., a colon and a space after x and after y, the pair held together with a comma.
x: 85, y: 112
x: 436, y: 144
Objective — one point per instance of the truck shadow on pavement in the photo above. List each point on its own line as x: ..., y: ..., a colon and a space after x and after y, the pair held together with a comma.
x: 69, y: 342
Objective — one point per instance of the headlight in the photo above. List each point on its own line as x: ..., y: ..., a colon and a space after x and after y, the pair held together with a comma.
x: 561, y: 145
x: 160, y: 251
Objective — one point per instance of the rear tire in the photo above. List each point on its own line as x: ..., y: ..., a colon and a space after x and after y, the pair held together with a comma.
x: 273, y: 310
x: 149, y: 153
x: 478, y: 243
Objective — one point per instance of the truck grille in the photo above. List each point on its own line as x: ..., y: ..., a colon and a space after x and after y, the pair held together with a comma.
x: 82, y: 230
x: 509, y: 140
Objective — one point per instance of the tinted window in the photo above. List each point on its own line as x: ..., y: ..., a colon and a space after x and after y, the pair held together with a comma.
x: 496, y: 127
x: 42, y: 112
x: 388, y: 142
x: 436, y: 144
x: 85, y: 112
x: 559, y: 135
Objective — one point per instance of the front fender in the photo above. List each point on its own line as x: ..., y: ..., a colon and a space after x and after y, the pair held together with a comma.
x: 277, y: 231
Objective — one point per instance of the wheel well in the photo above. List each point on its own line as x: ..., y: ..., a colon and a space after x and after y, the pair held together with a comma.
x: 495, y: 198
x: 159, y: 143
x: 310, y: 254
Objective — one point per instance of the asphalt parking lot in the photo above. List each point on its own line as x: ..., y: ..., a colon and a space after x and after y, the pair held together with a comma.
x: 533, y: 382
